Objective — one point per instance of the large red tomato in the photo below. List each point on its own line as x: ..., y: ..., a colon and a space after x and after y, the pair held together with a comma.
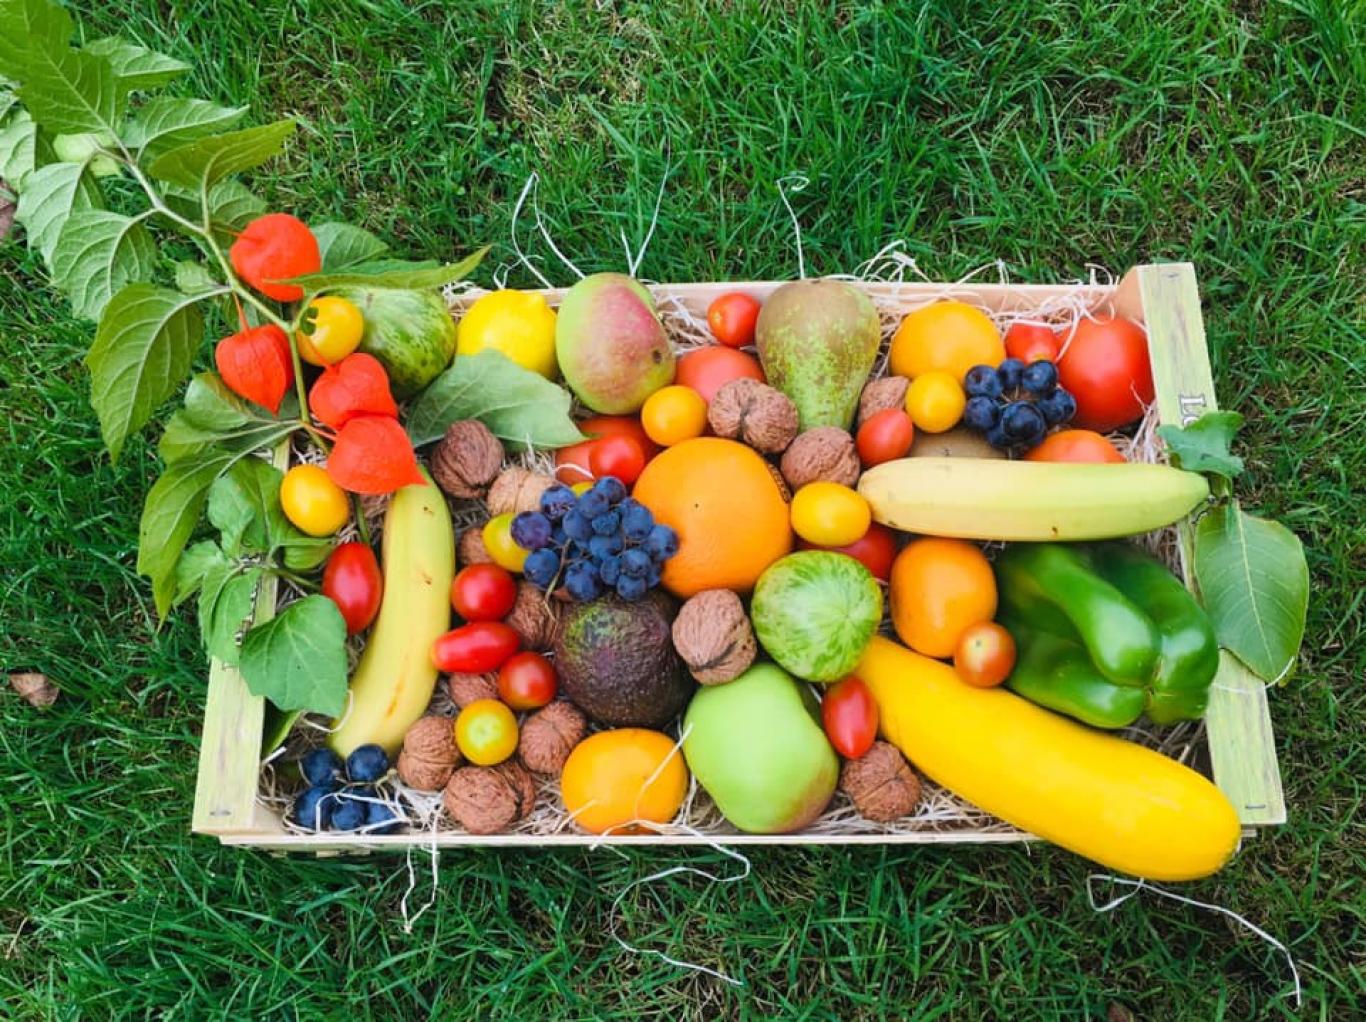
x: 571, y: 463
x: 707, y: 370
x: 1105, y: 367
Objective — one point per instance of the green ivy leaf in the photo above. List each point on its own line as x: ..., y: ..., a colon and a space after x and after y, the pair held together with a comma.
x: 169, y: 513
x: 213, y: 158
x: 143, y: 348
x: 135, y: 67
x: 521, y: 407
x: 343, y: 245
x: 1254, y: 582
x: 1203, y: 445
x: 96, y: 254
x: 226, y: 601
x: 18, y: 149
x: 192, y: 278
x: 164, y: 122
x: 66, y: 90
x: 49, y: 196
x: 297, y: 659
x: 405, y: 279
x: 231, y: 205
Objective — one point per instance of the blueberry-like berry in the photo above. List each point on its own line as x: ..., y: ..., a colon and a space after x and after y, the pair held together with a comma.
x: 1057, y: 407
x: 531, y: 530
x: 652, y: 579
x: 607, y: 524
x: 313, y: 809
x: 612, y: 488
x: 609, y: 570
x: 636, y: 520
x: 982, y: 381
x: 557, y: 500
x: 604, y: 546
x: 1039, y: 378
x: 367, y: 763
x: 996, y: 436
x: 981, y: 413
x: 635, y: 563
x: 1009, y: 373
x: 349, y: 813
x: 662, y: 543
x: 321, y: 766
x: 380, y: 818
x: 541, y: 567
x: 582, y: 582
x: 1023, y: 422
x: 631, y: 588
x: 593, y: 503
x: 577, y: 525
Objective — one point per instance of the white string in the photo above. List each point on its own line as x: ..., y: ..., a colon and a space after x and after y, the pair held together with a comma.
x: 535, y: 183
x: 516, y: 247
x: 796, y: 182
x: 633, y: 263
x: 1143, y: 885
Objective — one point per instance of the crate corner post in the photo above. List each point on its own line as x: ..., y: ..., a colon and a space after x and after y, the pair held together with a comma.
x: 229, y: 756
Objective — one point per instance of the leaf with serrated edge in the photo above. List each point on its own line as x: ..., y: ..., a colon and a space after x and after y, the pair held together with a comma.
x: 297, y: 659
x: 50, y: 195
x: 143, y: 348
x: 66, y: 90
x: 231, y: 204
x: 134, y: 66
x: 519, y: 406
x: 1203, y: 445
x: 405, y: 280
x: 18, y: 149
x: 1254, y: 583
x: 343, y: 246
x: 166, y: 121
x: 215, y: 157
x: 97, y: 253
x: 169, y: 514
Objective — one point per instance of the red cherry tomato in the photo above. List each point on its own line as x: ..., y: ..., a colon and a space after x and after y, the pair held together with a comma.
x: 731, y: 318
x: 352, y: 581
x: 483, y: 592
x: 527, y: 681
x: 849, y: 714
x: 475, y: 648
x: 707, y: 370
x: 571, y: 463
x: 985, y: 654
x: 885, y: 436
x: 618, y: 456
x: 876, y: 549
x: 1031, y: 342
x: 1105, y: 366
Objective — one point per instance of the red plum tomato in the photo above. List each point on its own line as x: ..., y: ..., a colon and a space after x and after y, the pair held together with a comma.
x: 475, y: 648
x: 849, y: 715
x: 352, y: 581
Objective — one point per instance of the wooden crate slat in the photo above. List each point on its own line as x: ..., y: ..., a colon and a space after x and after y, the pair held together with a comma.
x: 1238, y: 722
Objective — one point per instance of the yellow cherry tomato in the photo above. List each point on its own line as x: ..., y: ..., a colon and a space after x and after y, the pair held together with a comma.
x: 312, y: 501
x: 500, y: 545
x: 486, y: 732
x: 673, y: 414
x: 519, y: 324
x: 337, y: 329
x: 935, y: 401
x: 828, y: 514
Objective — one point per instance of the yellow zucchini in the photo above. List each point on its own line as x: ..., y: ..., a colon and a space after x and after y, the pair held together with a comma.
x: 1124, y: 806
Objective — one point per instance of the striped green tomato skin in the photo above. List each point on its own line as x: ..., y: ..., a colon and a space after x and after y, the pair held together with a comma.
x: 814, y: 613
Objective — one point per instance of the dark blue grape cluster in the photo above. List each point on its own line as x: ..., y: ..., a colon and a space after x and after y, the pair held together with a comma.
x: 1015, y: 404
x: 342, y: 796
x: 598, y: 542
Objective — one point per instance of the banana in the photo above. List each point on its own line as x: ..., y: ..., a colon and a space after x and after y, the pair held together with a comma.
x: 971, y: 498
x: 393, y: 682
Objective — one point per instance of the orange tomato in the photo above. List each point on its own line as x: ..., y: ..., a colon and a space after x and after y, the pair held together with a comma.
x: 949, y: 336
x: 673, y: 414
x: 707, y: 370
x: 614, y: 778
x: 571, y: 463
x: 1076, y: 445
x: 939, y: 588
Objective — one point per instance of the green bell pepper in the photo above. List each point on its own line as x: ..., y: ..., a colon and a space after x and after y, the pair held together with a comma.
x: 1105, y: 633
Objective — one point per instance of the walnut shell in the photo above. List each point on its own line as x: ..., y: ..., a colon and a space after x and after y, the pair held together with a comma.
x: 429, y: 754
x: 713, y: 636
x: 881, y: 783
x: 880, y: 395
x: 471, y: 549
x: 469, y: 688
x: 549, y: 735
x: 779, y: 481
x: 755, y: 413
x: 534, y: 616
x: 486, y: 800
x: 466, y: 459
x: 516, y: 490
x: 824, y: 453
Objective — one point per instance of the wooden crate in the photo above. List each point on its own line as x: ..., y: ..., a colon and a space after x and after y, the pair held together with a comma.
x: 1242, y: 751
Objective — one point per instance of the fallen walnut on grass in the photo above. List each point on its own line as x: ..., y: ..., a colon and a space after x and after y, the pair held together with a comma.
x: 713, y: 636
x: 466, y: 460
x: 754, y: 413
x: 549, y: 735
x: 429, y: 754
x: 825, y: 453
x: 881, y: 784
x: 36, y: 689
x: 489, y: 800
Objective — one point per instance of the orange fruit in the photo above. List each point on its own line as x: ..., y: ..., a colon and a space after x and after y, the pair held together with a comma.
x: 722, y: 500
x: 707, y: 370
x: 674, y: 414
x: 1076, y: 445
x: 939, y: 588
x: 949, y: 335
x: 615, y: 777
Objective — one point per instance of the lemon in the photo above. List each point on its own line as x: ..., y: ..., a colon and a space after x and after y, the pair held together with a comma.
x: 519, y: 324
x: 949, y: 336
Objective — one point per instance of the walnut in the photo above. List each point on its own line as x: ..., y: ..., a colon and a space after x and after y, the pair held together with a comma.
x: 429, y: 754
x: 486, y: 800
x: 468, y: 688
x: 755, y: 413
x: 466, y: 459
x: 881, y: 783
x: 779, y: 481
x: 880, y: 395
x: 516, y: 490
x: 826, y: 452
x: 548, y: 736
x: 535, y: 617
x: 471, y: 549
x: 713, y: 636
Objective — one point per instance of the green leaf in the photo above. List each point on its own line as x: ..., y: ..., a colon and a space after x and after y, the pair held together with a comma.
x: 18, y: 149
x: 519, y: 406
x: 1254, y: 582
x: 164, y: 122
x: 1203, y: 445
x: 143, y: 348
x: 239, y: 503
x: 96, y: 254
x: 65, y: 90
x: 344, y: 246
x: 169, y: 513
x: 226, y: 600
x: 231, y: 205
x: 194, y: 564
x: 214, y: 158
x: 405, y: 280
x: 215, y: 416
x: 304, y: 553
x: 50, y: 195
x: 192, y: 278
x: 30, y: 25
x: 297, y: 659
x: 134, y: 66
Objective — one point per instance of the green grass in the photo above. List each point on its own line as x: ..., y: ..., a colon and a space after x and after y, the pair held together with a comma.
x: 1046, y: 134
